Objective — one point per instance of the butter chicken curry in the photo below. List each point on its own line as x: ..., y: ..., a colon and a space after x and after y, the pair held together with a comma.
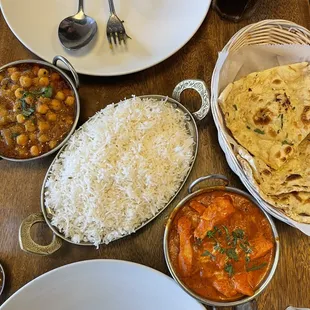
x: 221, y: 246
x: 37, y: 110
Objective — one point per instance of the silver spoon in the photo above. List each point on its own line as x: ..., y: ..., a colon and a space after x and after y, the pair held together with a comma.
x: 78, y: 30
x: 2, y: 279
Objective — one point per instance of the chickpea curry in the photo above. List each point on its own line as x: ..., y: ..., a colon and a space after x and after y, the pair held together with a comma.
x: 221, y: 246
x: 37, y: 110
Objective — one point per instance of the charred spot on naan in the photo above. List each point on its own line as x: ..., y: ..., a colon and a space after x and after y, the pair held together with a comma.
x: 276, y: 82
x: 293, y: 177
x: 284, y: 101
x: 305, y: 116
x: 262, y: 116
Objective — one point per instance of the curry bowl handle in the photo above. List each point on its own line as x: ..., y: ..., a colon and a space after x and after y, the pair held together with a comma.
x: 70, y: 67
x: 251, y: 305
x: 207, y: 177
x: 201, y: 88
x: 27, y: 244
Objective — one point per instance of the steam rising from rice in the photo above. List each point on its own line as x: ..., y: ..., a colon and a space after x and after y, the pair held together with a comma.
x: 119, y: 170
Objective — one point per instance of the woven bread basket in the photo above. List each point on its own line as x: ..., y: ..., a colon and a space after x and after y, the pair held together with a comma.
x: 266, y: 32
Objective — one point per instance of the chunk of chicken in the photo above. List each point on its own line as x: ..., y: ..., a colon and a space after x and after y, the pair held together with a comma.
x: 202, y: 228
x: 206, y: 270
x: 186, y: 251
x: 221, y: 209
x: 221, y: 260
x: 260, y: 246
x: 197, y: 206
x: 242, y: 284
x: 224, y: 285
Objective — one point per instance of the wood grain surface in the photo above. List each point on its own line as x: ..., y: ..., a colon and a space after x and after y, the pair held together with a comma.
x: 20, y: 183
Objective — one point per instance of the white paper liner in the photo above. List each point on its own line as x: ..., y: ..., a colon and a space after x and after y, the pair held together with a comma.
x: 231, y: 67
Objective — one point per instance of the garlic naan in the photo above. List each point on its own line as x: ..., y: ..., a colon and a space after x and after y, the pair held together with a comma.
x: 291, y: 177
x: 268, y: 112
x: 295, y: 205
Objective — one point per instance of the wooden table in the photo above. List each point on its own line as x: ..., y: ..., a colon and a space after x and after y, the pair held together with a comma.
x: 20, y: 183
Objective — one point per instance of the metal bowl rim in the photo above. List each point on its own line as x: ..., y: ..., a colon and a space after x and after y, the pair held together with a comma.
x: 77, y: 106
x: 3, y: 279
x: 206, y: 301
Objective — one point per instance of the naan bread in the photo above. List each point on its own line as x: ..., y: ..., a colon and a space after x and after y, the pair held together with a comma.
x: 268, y: 112
x: 293, y: 176
x: 295, y: 205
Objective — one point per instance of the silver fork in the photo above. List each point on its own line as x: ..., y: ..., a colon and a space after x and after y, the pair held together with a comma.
x: 115, y: 27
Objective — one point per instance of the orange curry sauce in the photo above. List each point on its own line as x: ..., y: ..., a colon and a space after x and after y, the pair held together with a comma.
x: 221, y: 246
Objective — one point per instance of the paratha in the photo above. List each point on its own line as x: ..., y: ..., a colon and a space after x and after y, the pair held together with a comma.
x: 268, y: 112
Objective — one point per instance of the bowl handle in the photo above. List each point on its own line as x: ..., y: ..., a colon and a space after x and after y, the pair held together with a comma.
x: 70, y: 67
x: 207, y: 177
x: 251, y: 305
x: 27, y: 244
x: 201, y: 88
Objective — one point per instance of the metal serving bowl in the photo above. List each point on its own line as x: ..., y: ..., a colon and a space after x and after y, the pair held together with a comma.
x: 74, y: 86
x: 248, y: 302
x: 25, y: 240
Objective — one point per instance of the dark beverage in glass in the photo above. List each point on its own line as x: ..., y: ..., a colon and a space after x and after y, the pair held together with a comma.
x: 234, y: 10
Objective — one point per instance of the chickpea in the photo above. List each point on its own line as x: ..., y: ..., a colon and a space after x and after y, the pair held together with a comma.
x: 16, y: 106
x: 55, y: 76
x: 52, y: 144
x: 43, y: 126
x: 19, y: 92
x: 20, y: 118
x: 30, y: 126
x: 32, y: 137
x: 11, y: 70
x: 42, y: 108
x: 60, y: 95
x: 3, y: 120
x: 1, y: 77
x: 44, y: 81
x: 12, y: 118
x: 70, y: 101
x: 44, y: 100
x: 15, y: 76
x: 67, y: 92
x: 14, y: 87
x: 5, y: 82
x: 43, y: 138
x: 35, y: 70
x: 34, y: 150
x: 35, y: 81
x: 42, y: 73
x: 29, y: 100
x: 22, y: 152
x: 52, y: 117
x: 25, y: 81
x: 22, y: 139
x: 55, y: 105
x: 3, y: 112
x: 9, y: 93
x: 69, y: 120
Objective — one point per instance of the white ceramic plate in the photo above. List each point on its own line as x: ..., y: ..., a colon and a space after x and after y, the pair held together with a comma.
x: 158, y: 29
x: 102, y: 284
